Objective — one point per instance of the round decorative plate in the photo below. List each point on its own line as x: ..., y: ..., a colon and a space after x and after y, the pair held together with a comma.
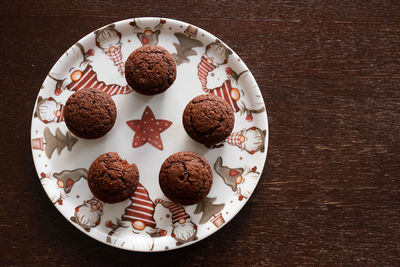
x: 148, y: 221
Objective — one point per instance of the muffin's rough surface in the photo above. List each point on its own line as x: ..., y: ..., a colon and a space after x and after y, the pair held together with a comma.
x: 185, y: 178
x: 150, y: 70
x: 208, y: 119
x: 90, y: 113
x: 112, y: 179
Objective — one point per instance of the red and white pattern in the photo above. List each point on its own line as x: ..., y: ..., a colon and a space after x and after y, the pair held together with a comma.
x: 203, y: 69
x: 178, y: 213
x: 224, y: 91
x: 60, y: 113
x: 88, y: 78
x: 114, y: 53
x: 141, y: 208
x: 236, y: 138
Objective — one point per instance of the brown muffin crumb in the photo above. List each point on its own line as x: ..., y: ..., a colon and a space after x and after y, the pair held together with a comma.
x: 90, y: 113
x: 150, y: 70
x: 185, y: 178
x: 112, y: 179
x: 208, y: 119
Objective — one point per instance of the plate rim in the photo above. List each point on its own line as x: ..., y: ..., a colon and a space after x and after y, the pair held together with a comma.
x: 235, y: 211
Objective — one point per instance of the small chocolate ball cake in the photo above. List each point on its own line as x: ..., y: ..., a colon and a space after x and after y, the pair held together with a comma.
x: 185, y: 178
x: 112, y: 179
x: 150, y: 70
x: 208, y: 119
x: 90, y: 113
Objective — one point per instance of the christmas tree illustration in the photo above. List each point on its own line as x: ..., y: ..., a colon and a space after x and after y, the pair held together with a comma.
x: 58, y: 141
x: 208, y: 209
x: 184, y: 48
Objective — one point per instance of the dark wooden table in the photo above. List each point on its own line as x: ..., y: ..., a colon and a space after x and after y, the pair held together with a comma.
x: 330, y: 77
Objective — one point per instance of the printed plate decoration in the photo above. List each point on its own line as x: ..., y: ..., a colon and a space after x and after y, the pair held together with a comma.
x: 148, y: 221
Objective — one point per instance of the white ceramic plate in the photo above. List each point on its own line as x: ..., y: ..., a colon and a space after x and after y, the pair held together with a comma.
x: 204, y: 65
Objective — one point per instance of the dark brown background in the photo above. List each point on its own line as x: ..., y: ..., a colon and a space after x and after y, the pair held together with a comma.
x: 330, y: 77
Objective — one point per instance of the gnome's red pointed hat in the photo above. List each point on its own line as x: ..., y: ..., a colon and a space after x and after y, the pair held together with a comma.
x: 88, y: 79
x: 178, y: 213
x: 236, y: 138
x: 115, y: 54
x: 141, y: 210
x: 229, y: 94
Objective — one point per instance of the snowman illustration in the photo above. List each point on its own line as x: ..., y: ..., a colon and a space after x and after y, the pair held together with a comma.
x: 147, y: 35
x: 49, y: 110
x: 183, y: 228
x: 108, y: 39
x: 60, y: 184
x: 137, y: 227
x: 211, y: 63
x: 242, y: 181
x: 88, y: 214
x: 251, y: 140
x: 81, y: 74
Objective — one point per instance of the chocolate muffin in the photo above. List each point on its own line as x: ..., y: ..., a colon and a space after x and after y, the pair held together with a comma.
x: 208, y: 119
x: 90, y: 113
x: 112, y: 179
x: 150, y: 70
x: 185, y: 178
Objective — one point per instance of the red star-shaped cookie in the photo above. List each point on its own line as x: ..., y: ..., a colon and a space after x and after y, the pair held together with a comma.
x: 148, y: 129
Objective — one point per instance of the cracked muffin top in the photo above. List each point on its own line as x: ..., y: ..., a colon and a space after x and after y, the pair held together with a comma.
x: 208, y: 119
x: 185, y: 178
x: 90, y: 113
x: 112, y: 179
x: 150, y: 70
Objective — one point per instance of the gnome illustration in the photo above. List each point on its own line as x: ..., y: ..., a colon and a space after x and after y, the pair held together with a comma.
x: 242, y: 181
x: 184, y: 230
x: 216, y: 55
x: 108, y: 39
x: 147, y: 35
x: 60, y: 184
x: 251, y: 140
x: 48, y: 110
x: 137, y: 227
x: 88, y: 215
x: 81, y: 74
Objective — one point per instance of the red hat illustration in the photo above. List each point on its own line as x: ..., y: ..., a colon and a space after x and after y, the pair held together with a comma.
x: 236, y: 138
x: 114, y: 53
x: 229, y: 94
x: 178, y: 213
x: 88, y: 79
x: 141, y: 210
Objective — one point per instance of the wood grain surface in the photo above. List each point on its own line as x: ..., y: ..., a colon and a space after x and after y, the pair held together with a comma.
x: 329, y: 72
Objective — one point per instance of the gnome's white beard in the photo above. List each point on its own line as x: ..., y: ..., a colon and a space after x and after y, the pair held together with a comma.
x: 53, y: 190
x: 132, y: 239
x: 217, y: 53
x: 86, y: 217
x: 72, y: 61
x: 253, y: 140
x: 247, y: 186
x: 47, y: 110
x: 184, y: 232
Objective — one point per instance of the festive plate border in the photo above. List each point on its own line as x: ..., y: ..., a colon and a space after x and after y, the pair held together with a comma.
x: 138, y: 228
